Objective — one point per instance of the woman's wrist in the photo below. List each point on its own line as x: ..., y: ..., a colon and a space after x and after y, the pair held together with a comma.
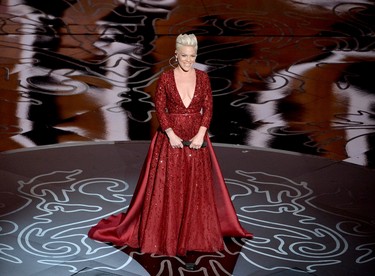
x: 202, y: 131
x: 169, y: 131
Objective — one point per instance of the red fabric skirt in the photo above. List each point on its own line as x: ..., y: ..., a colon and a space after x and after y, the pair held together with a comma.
x: 180, y: 204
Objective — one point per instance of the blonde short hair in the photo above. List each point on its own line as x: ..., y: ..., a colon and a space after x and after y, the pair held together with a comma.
x: 187, y: 40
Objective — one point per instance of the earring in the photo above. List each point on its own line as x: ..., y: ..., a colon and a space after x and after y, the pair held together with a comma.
x: 175, y: 58
x: 171, y: 61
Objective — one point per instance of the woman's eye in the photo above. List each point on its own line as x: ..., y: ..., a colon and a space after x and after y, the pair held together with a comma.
x: 184, y: 56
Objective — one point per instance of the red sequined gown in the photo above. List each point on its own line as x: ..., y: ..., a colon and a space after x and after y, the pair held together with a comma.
x: 181, y: 202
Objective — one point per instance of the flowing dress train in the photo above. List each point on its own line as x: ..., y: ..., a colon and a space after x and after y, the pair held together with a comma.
x: 181, y: 202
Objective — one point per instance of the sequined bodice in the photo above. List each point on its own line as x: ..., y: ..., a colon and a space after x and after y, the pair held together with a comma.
x: 168, y: 100
x: 181, y: 203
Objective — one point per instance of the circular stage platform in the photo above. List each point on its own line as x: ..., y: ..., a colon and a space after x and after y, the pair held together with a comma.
x: 309, y: 215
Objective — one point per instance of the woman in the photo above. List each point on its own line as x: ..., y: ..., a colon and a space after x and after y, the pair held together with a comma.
x: 181, y: 202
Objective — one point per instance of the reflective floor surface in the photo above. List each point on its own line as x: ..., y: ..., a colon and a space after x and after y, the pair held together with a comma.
x: 315, y: 217
x: 293, y: 85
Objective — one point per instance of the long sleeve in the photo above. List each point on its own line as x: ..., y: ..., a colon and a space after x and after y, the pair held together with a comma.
x: 207, y: 102
x: 161, y: 103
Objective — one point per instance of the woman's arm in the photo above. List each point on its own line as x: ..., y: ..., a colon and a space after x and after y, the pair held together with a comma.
x: 162, y: 113
x: 197, y: 140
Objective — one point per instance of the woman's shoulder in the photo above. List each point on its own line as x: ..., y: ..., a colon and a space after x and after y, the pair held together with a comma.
x: 201, y: 74
x: 166, y: 75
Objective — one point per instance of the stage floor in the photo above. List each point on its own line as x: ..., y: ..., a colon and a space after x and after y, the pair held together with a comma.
x: 309, y: 215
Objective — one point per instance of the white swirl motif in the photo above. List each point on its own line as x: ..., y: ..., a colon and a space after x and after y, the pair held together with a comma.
x: 291, y: 232
x: 52, y: 225
x: 289, y: 229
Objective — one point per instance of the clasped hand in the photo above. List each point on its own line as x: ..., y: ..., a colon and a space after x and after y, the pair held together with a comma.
x: 177, y: 142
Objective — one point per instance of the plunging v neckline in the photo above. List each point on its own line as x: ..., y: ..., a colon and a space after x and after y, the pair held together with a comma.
x: 178, y: 93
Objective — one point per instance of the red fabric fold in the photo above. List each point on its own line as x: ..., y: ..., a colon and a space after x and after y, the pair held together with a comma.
x: 181, y: 202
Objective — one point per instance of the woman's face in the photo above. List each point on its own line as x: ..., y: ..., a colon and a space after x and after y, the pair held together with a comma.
x: 186, y: 56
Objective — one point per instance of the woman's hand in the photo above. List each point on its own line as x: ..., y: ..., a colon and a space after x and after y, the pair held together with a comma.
x: 197, y: 140
x: 174, y: 140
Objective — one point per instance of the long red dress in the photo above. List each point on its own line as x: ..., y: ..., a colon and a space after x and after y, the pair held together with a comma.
x: 181, y: 202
